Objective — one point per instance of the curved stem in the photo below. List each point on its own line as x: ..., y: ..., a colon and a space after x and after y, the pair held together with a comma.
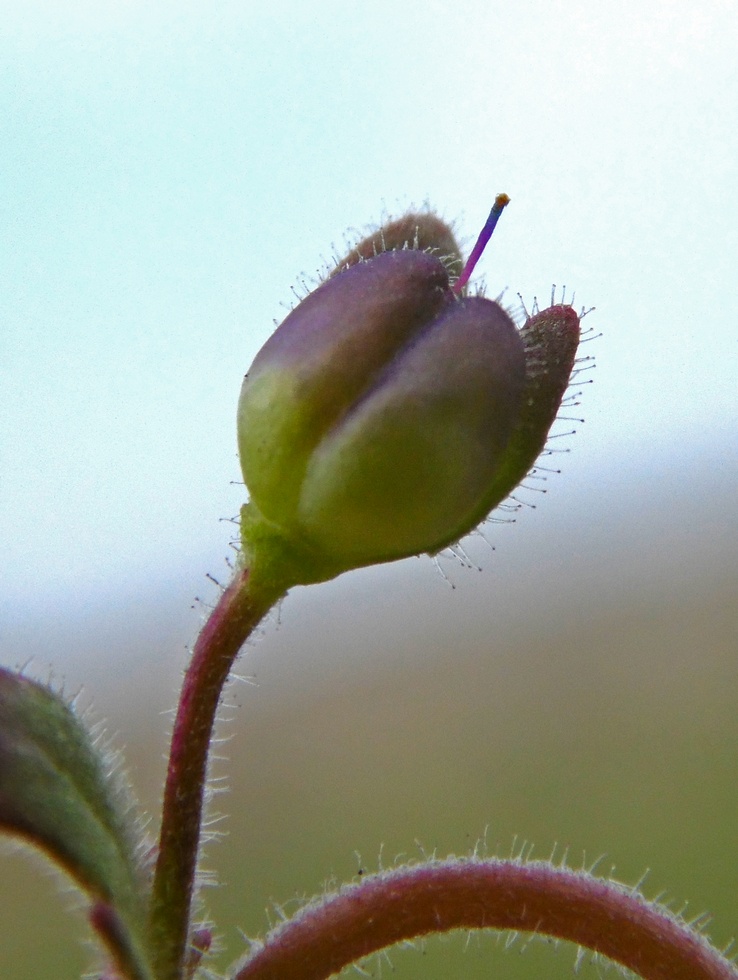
x: 126, y: 961
x: 436, y: 897
x: 236, y: 615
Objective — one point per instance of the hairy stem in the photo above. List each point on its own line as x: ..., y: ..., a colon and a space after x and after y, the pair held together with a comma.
x: 236, y: 615
x: 466, y: 894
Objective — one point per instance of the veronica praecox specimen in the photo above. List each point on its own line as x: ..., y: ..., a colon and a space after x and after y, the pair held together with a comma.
x: 387, y: 416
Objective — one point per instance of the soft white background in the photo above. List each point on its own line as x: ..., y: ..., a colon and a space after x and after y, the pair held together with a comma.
x: 169, y: 171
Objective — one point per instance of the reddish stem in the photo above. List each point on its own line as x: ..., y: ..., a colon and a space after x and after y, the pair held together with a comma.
x: 536, y: 897
x: 237, y: 613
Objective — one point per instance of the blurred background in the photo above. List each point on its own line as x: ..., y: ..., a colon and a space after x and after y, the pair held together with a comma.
x: 169, y: 173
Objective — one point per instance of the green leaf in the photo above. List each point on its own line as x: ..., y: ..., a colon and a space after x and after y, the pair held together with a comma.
x: 57, y: 793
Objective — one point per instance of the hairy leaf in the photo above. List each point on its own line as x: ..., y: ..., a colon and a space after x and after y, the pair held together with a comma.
x: 56, y: 792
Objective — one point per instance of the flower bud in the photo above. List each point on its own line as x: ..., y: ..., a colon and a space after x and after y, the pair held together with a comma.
x: 388, y: 413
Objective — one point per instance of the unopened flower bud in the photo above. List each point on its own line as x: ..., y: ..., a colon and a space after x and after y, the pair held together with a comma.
x: 389, y: 412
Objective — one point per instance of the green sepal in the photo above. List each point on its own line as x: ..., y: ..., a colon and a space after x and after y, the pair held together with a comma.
x: 278, y: 561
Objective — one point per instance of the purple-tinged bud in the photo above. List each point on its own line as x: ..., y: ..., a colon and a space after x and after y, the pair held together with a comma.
x: 550, y: 339
x: 422, y: 231
x: 388, y: 413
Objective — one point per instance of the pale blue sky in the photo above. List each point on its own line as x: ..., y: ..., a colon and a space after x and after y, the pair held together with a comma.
x: 168, y: 171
